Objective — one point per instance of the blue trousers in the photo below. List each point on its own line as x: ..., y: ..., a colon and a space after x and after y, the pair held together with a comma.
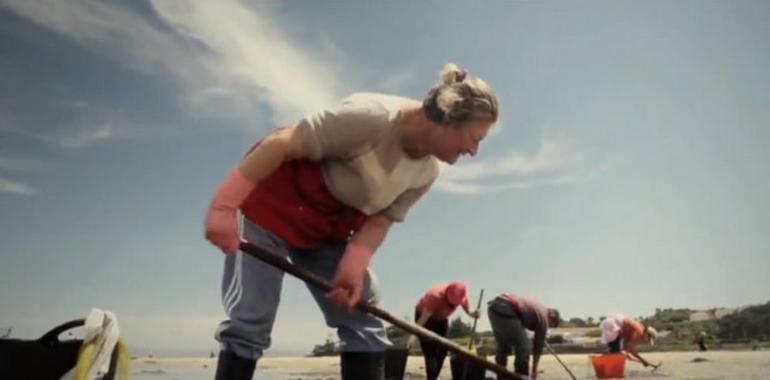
x: 251, y: 291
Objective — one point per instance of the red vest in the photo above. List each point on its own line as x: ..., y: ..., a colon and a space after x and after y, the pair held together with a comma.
x: 294, y: 204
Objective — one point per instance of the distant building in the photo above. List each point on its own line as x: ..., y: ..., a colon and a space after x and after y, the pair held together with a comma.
x: 723, y: 312
x: 699, y: 316
x: 707, y: 315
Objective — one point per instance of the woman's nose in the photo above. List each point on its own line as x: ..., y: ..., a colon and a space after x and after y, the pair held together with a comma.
x: 474, y: 149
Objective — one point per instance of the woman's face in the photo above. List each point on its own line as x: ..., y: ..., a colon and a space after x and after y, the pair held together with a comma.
x: 458, y: 140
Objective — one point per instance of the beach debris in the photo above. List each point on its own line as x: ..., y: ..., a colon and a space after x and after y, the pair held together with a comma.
x: 646, y: 374
x: 699, y: 360
x: 152, y: 371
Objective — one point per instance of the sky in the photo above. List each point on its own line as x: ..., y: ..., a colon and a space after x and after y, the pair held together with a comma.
x: 629, y: 170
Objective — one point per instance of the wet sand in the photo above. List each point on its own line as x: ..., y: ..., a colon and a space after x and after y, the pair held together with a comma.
x: 750, y: 365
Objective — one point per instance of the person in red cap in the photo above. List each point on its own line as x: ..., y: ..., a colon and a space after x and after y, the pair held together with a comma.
x: 324, y: 193
x: 432, y: 312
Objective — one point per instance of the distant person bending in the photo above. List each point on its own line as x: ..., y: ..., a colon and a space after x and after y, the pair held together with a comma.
x: 510, y: 316
x: 623, y: 333
x: 433, y: 312
x: 701, y: 340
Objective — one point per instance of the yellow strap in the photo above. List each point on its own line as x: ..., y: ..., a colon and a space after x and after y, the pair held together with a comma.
x: 124, y: 360
x: 84, y: 361
x: 86, y: 355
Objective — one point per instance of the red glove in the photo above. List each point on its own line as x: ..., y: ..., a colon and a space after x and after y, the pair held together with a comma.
x: 348, y: 283
x: 221, y: 218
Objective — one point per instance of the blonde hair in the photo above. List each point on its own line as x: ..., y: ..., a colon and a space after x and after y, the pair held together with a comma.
x: 458, y: 98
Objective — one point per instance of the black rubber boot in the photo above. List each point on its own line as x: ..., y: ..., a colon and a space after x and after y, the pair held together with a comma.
x: 362, y: 365
x: 502, y: 361
x: 433, y: 364
x: 233, y: 367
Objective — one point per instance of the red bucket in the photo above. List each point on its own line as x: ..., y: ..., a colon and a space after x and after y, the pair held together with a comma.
x: 609, y: 366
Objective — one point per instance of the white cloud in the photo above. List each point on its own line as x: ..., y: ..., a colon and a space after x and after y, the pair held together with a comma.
x: 88, y: 136
x: 18, y: 188
x: 15, y: 163
x: 89, y: 125
x: 557, y: 161
x: 248, y: 49
x: 107, y: 29
x: 216, y: 51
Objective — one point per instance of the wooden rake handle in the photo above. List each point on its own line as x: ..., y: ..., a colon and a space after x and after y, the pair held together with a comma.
x: 321, y: 283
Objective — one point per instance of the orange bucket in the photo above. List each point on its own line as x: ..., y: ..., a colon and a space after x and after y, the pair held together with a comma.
x: 609, y: 366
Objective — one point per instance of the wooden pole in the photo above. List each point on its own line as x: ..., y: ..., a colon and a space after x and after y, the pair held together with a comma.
x: 473, y: 332
x: 317, y: 281
x: 548, y: 346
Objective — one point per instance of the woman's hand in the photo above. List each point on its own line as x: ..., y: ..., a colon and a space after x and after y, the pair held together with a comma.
x: 222, y: 227
x: 348, y: 282
x: 222, y: 217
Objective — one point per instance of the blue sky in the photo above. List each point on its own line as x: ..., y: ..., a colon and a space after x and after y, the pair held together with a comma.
x: 629, y: 170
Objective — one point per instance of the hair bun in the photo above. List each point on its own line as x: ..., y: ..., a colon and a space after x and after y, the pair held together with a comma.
x: 458, y: 98
x: 451, y: 73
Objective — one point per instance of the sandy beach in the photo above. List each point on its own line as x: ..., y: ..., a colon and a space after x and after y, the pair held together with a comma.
x: 752, y: 365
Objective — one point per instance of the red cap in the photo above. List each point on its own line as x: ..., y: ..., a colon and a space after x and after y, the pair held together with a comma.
x: 456, y: 293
